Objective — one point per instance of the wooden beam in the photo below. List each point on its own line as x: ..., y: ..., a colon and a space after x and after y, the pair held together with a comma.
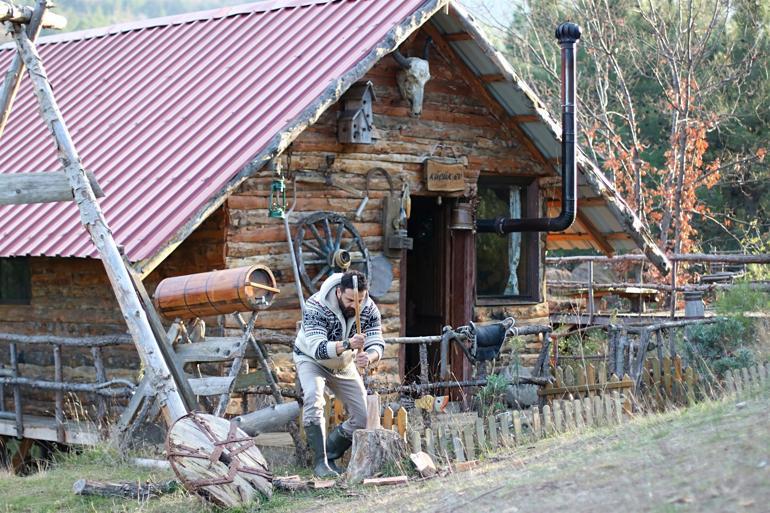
x: 493, y: 77
x: 527, y: 118
x: 475, y: 83
x: 597, y: 237
x: 582, y: 202
x: 572, y: 237
x: 20, y: 188
x: 458, y: 36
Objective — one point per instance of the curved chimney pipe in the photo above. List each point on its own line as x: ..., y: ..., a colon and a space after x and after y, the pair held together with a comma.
x: 567, y: 34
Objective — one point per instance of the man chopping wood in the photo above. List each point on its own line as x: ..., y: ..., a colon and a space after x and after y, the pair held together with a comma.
x: 331, y: 344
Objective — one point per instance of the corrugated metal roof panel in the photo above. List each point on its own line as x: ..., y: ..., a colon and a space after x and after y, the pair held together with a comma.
x: 511, y: 98
x: 166, y: 112
x: 474, y: 57
x: 541, y: 135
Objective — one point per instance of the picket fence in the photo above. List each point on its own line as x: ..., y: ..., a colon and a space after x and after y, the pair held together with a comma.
x: 462, y: 440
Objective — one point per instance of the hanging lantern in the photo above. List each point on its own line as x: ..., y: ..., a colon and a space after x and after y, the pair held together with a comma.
x: 277, y: 209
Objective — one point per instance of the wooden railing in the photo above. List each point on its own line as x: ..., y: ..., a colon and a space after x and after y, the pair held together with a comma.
x: 16, y: 423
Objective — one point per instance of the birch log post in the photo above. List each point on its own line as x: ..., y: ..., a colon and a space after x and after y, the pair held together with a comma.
x: 26, y: 15
x: 94, y: 222
x: 15, y: 70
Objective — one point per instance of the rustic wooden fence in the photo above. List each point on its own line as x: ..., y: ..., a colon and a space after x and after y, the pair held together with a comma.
x: 466, y: 438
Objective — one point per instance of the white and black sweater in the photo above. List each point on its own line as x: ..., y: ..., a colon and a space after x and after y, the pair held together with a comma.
x: 323, y: 325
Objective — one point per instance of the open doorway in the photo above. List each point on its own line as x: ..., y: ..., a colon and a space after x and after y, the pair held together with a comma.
x: 439, y: 279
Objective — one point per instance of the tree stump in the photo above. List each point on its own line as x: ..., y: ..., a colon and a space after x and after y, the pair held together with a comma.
x: 373, y: 450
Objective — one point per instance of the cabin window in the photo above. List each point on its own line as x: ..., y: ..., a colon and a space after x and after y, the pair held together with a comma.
x: 15, y: 286
x: 507, y: 266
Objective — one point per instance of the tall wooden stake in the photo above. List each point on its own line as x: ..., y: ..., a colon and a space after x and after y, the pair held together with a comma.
x: 94, y: 222
x: 15, y: 70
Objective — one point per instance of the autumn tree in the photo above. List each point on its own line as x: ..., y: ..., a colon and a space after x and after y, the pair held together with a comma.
x: 657, y: 82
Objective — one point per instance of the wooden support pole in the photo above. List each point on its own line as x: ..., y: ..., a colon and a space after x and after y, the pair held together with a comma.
x: 97, y: 227
x: 59, y: 408
x: 26, y: 15
x: 235, y: 366
x: 16, y: 69
x: 101, y: 377
x: 16, y: 392
x: 591, y: 304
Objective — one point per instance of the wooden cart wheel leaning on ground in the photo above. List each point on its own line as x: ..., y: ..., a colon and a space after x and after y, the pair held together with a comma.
x: 215, y: 459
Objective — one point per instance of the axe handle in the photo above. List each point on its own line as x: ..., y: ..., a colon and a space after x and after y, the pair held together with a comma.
x: 357, y: 307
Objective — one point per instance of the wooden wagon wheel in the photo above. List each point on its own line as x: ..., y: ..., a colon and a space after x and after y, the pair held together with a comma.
x: 328, y: 243
x: 212, y: 457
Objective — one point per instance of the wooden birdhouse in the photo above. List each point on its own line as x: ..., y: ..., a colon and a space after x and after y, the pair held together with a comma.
x: 355, y: 123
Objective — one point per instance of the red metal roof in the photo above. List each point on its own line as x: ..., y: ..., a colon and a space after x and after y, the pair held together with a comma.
x: 166, y: 112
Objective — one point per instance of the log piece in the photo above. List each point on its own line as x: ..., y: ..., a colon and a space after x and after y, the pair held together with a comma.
x: 124, y: 489
x: 272, y: 418
x: 423, y: 463
x: 373, y: 449
x: 383, y: 481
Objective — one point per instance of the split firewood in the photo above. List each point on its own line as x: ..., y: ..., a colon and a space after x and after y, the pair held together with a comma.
x: 386, y: 481
x: 124, y: 489
x: 462, y: 466
x: 423, y: 463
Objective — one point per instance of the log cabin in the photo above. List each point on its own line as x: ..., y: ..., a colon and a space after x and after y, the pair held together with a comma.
x: 210, y: 133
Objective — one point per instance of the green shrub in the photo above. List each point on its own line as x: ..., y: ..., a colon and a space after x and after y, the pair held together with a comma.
x: 491, y: 397
x: 723, y: 345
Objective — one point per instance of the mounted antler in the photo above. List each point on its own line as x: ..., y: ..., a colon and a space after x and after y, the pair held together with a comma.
x: 400, y: 59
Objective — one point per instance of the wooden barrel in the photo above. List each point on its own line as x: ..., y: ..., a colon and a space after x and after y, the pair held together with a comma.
x: 242, y: 289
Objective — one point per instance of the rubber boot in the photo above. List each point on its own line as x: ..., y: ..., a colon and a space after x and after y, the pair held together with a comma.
x: 315, y: 439
x: 336, y: 445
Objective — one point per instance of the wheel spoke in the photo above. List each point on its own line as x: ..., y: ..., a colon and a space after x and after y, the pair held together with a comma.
x: 314, y: 249
x: 314, y: 262
x: 320, y: 275
x: 328, y: 234
x: 317, y: 236
x: 338, y: 239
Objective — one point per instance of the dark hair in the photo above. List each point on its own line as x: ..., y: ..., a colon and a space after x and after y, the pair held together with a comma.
x: 347, y: 281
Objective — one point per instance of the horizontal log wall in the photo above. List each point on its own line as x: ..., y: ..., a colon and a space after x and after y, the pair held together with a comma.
x: 452, y: 116
x: 72, y: 297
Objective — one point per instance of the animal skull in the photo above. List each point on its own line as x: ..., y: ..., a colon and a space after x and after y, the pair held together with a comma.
x: 412, y: 78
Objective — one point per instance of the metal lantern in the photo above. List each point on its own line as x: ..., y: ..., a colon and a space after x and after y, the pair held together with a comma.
x: 277, y: 209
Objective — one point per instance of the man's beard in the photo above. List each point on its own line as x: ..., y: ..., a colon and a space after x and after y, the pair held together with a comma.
x: 346, y: 312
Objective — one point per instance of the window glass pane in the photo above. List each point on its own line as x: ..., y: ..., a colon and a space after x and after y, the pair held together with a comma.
x: 501, y: 262
x: 15, y: 285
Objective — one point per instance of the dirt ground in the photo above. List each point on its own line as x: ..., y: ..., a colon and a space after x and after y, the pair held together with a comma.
x: 710, y: 458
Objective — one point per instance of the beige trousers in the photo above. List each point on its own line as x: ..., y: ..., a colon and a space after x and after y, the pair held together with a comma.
x: 347, y: 386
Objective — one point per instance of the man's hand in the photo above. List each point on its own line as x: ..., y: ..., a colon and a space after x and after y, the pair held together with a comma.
x: 362, y: 360
x: 357, y: 341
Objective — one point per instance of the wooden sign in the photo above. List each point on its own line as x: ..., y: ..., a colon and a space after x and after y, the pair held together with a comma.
x: 444, y: 177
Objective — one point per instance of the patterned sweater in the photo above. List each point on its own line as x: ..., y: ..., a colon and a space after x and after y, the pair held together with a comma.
x: 323, y: 325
